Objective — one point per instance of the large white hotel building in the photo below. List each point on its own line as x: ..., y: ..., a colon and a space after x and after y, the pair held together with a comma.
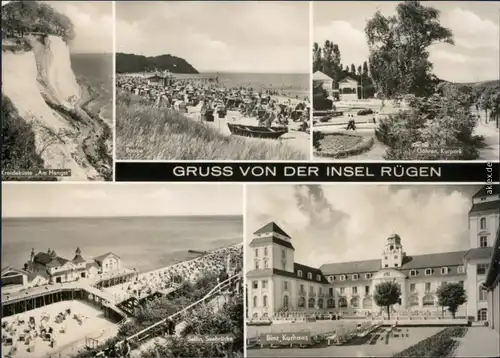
x: 277, y: 285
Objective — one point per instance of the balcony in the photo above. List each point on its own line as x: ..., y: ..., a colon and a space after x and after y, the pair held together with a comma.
x: 312, y: 294
x: 302, y: 293
x: 321, y: 295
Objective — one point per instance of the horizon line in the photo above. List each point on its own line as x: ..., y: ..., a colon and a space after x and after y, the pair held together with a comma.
x: 114, y: 216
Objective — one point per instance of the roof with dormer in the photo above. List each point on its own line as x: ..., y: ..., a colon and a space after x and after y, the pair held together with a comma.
x: 418, y: 263
x: 270, y: 228
x: 485, y: 191
x: 49, y: 259
x: 315, y: 274
x: 269, y: 239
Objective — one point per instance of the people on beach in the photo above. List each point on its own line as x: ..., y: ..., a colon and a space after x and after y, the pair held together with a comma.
x: 166, y: 279
x: 215, y: 100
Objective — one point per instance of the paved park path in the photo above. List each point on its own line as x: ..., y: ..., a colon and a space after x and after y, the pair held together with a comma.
x: 479, y: 342
x: 491, y: 136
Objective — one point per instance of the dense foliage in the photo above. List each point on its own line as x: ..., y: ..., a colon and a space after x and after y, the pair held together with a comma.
x: 18, y: 140
x: 434, y: 127
x: 227, y: 320
x: 441, y: 344
x: 129, y: 63
x: 20, y: 18
x: 387, y: 293
x: 321, y: 103
x: 317, y: 138
x: 327, y: 59
x: 451, y: 296
x: 399, y: 57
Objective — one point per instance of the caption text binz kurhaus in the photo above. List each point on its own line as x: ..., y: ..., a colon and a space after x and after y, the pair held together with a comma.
x: 257, y: 171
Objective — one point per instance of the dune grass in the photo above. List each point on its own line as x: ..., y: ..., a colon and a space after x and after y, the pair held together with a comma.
x: 144, y: 132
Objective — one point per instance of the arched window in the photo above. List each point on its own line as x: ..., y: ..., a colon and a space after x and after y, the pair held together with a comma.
x: 255, y: 301
x: 302, y: 302
x: 330, y: 303
x: 428, y: 300
x: 482, y: 224
x: 413, y: 301
x: 285, y: 301
x: 264, y: 301
x: 309, y: 276
x: 320, y: 303
x: 482, y: 314
x: 355, y: 302
x: 299, y: 273
x: 311, y: 303
x: 342, y: 302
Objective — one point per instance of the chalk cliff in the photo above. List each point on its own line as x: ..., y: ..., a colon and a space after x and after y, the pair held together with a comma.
x: 43, y: 88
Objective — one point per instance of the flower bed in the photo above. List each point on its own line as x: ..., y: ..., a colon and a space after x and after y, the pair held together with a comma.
x: 336, y: 145
x: 441, y: 344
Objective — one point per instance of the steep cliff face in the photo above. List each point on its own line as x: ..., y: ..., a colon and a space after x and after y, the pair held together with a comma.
x: 42, y: 86
x: 54, y: 70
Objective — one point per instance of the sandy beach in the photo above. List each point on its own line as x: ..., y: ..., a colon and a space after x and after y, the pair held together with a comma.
x: 296, y: 139
x: 69, y: 334
x: 164, y: 279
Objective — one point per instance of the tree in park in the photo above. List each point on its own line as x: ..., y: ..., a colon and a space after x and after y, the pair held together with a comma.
x: 399, y: 57
x: 365, y: 69
x: 452, y: 296
x: 353, y: 70
x: 387, y: 293
x: 317, y: 57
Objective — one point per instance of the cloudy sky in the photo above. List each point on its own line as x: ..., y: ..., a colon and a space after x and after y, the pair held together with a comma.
x: 117, y: 199
x: 475, y: 25
x: 93, y: 21
x: 258, y: 37
x: 339, y: 223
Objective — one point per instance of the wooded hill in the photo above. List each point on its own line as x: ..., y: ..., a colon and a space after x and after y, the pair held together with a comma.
x: 130, y: 63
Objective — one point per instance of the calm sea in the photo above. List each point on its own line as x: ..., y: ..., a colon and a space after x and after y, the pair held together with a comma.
x: 97, y: 71
x: 144, y: 243
x: 294, y: 84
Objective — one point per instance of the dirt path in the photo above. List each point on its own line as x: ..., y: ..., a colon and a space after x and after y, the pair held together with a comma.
x: 491, y: 135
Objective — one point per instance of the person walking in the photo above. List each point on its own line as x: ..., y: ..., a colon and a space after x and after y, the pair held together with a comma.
x: 126, y: 349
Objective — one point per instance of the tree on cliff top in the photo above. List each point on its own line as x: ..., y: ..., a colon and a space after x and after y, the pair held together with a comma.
x: 20, y: 18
